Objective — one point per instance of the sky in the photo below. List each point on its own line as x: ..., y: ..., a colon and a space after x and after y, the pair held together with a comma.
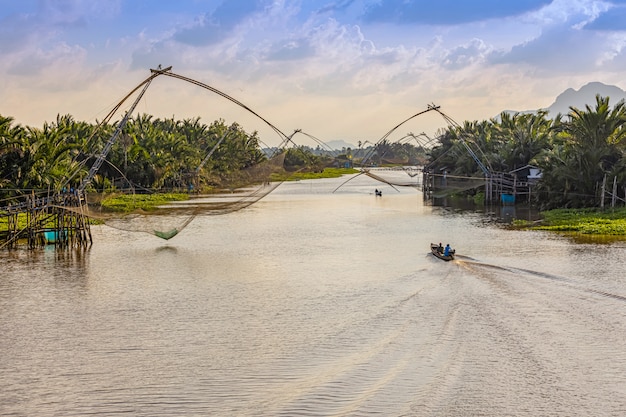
x: 336, y: 69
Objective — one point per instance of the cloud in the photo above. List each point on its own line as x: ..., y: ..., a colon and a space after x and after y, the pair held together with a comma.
x: 216, y: 26
x: 15, y: 34
x: 558, y: 49
x: 40, y: 35
x: 447, y: 12
x: 291, y: 50
x: 62, y: 55
x: 613, y: 19
x: 159, y: 53
x: 575, y: 39
x: 369, y: 55
x: 465, y: 55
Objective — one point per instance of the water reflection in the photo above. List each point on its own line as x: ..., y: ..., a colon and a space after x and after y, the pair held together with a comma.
x: 314, y: 303
x: 167, y: 248
x: 504, y: 214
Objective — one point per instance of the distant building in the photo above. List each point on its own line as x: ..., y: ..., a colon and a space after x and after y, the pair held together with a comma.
x: 527, y: 175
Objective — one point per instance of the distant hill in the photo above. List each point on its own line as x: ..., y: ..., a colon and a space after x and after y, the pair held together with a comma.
x: 586, y: 95
x: 333, y: 145
x: 580, y: 98
x: 340, y: 144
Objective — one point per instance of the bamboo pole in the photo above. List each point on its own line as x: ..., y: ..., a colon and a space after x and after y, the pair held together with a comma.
x: 614, y: 196
x: 602, y: 192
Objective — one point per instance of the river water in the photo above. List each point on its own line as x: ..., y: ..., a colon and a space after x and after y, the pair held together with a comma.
x: 316, y: 303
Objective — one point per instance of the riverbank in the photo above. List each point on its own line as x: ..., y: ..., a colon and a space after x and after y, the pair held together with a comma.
x: 588, y: 221
x: 126, y: 203
x: 326, y: 173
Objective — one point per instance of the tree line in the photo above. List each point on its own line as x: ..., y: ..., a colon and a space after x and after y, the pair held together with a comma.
x: 575, y: 152
x: 150, y: 153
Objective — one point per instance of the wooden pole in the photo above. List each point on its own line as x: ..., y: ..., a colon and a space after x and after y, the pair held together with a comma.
x: 486, y: 190
x: 614, y: 196
x: 602, y: 192
x: 29, y: 221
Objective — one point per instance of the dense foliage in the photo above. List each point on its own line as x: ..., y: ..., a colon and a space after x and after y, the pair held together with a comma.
x: 154, y: 154
x: 586, y: 221
x: 575, y: 152
x: 150, y: 153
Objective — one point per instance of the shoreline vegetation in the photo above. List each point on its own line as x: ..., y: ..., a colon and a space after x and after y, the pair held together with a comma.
x: 326, y: 173
x: 577, y: 154
x: 125, y: 203
x: 588, y: 221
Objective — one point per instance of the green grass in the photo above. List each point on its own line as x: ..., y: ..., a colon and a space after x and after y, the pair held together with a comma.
x: 122, y: 203
x: 22, y: 222
x: 125, y: 203
x: 327, y: 173
x: 4, y: 222
x: 585, y: 221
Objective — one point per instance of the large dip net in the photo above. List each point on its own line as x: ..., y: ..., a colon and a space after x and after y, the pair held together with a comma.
x: 396, y: 172
x: 188, y: 169
x: 167, y: 219
x: 442, y: 186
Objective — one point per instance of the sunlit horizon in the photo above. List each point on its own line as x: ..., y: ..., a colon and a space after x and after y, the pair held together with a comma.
x: 345, y: 71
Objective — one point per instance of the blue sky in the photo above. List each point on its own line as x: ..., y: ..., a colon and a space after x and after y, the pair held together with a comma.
x: 344, y: 69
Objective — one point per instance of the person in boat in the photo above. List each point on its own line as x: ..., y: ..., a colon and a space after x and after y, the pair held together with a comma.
x: 446, y: 251
x: 440, y: 248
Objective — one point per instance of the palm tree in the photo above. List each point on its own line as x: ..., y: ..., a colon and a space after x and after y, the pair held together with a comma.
x: 592, y: 147
x: 11, y: 150
x: 523, y: 136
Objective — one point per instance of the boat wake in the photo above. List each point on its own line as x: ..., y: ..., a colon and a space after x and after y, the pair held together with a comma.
x: 473, y: 263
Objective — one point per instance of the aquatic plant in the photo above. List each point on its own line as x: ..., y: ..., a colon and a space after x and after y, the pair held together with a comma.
x: 585, y: 221
x: 126, y: 203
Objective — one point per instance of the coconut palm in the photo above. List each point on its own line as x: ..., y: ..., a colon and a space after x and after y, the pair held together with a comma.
x: 592, y: 147
x: 522, y: 137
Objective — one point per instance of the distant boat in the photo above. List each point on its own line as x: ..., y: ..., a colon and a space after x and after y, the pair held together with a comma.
x: 438, y: 252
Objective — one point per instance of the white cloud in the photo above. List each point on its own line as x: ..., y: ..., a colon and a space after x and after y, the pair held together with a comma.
x: 466, y: 55
x: 572, y: 12
x: 61, y: 57
x: 296, y: 60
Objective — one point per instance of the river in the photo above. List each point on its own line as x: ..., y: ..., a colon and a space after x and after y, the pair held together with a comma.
x: 316, y: 303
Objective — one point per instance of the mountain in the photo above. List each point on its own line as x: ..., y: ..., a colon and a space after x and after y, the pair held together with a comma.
x: 585, y: 96
x: 340, y: 144
x: 579, y: 98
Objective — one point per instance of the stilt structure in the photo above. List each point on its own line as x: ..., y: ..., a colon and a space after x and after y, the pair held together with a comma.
x: 57, y: 220
x: 500, y: 188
